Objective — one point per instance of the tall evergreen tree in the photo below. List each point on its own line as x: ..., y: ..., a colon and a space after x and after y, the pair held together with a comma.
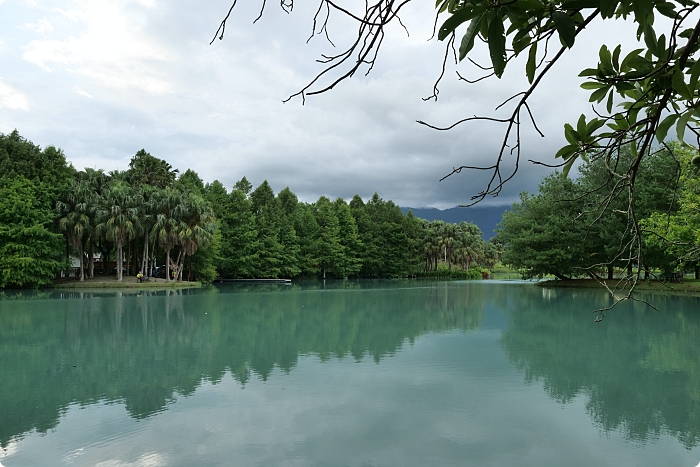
x: 267, y: 213
x: 30, y: 252
x: 349, y: 238
x: 331, y: 254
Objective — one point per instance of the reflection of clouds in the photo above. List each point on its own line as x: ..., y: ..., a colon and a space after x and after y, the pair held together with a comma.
x: 146, y: 460
x: 427, y: 405
x: 8, y: 450
x: 71, y: 456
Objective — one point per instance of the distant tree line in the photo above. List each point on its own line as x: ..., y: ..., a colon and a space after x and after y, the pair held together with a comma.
x: 582, y: 226
x: 150, y: 215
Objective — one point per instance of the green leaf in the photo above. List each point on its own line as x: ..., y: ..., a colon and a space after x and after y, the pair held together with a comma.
x: 599, y: 95
x: 594, y: 124
x: 531, y: 65
x: 624, y: 66
x: 570, y: 134
x: 667, y: 9
x: 606, y: 60
x: 590, y: 85
x: 567, y: 166
x: 468, y: 38
x: 462, y: 16
x: 679, y: 85
x: 664, y: 126
x: 565, y: 27
x: 682, y: 122
x: 609, y: 104
x: 521, y: 44
x: 650, y: 40
x: 616, y: 57
x: 581, y: 126
x: 580, y: 4
x: 589, y: 72
x: 694, y: 75
x: 497, y: 45
x: 566, y: 151
x: 607, y: 8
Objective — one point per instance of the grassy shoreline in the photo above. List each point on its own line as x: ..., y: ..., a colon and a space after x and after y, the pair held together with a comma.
x: 128, y: 283
x: 688, y: 287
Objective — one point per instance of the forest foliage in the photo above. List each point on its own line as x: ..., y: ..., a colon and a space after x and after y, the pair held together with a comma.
x: 151, y: 219
x: 569, y: 229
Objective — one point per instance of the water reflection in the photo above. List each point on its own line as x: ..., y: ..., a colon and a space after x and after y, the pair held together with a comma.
x: 142, y: 348
x: 638, y: 369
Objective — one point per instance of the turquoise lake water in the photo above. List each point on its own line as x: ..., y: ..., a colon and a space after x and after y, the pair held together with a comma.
x: 375, y: 373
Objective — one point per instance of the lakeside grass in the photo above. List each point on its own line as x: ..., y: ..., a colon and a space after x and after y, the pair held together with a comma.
x: 129, y: 282
x: 688, y: 287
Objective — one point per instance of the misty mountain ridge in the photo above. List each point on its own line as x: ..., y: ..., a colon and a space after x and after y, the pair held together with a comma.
x: 485, y: 217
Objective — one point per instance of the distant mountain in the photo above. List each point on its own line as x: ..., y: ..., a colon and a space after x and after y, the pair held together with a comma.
x: 485, y: 217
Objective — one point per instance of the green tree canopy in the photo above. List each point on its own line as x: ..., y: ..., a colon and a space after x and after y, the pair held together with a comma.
x: 30, y: 252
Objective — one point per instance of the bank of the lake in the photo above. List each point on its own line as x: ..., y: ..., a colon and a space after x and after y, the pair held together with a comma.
x: 688, y: 286
x: 129, y: 282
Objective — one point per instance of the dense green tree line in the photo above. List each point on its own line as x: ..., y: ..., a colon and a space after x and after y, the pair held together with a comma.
x: 151, y: 215
x: 267, y: 236
x: 584, y: 227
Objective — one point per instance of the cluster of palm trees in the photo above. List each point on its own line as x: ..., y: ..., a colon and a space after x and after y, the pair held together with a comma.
x: 133, y: 213
x: 457, y: 244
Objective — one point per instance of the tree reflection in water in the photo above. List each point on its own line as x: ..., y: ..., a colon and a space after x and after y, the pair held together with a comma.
x: 639, y: 369
x: 141, y: 349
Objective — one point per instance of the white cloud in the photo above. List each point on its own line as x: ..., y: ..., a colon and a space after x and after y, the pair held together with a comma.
x: 112, y: 49
x: 43, y: 26
x: 80, y: 92
x: 11, y: 98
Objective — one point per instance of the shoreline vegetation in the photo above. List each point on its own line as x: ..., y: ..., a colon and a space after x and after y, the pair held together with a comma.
x: 128, y: 282
x: 56, y: 221
x: 688, y: 286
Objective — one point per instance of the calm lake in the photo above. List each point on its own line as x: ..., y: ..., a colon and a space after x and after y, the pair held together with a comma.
x: 395, y: 373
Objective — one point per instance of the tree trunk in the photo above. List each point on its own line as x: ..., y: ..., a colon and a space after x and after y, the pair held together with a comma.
x: 128, y: 257
x: 153, y: 256
x: 119, y: 262
x: 697, y: 271
x: 167, y: 265
x: 646, y: 272
x: 82, y: 260
x: 91, y: 261
x: 144, y: 257
x: 106, y: 256
x: 135, y: 264
x: 629, y: 269
x: 181, y: 267
x: 610, y: 272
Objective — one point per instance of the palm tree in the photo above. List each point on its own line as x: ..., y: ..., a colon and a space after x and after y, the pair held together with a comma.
x: 196, y: 227
x: 118, y: 215
x: 167, y: 226
x: 75, y: 220
x: 97, y: 182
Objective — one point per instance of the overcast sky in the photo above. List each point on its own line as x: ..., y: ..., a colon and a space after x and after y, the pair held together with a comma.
x: 102, y: 79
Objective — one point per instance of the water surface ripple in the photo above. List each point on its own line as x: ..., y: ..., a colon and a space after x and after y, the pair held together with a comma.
x: 375, y: 373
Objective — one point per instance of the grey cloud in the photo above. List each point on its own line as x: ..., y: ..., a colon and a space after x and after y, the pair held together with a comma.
x: 224, y: 118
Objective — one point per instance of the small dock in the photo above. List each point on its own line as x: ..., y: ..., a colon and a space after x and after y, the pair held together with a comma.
x: 253, y: 281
